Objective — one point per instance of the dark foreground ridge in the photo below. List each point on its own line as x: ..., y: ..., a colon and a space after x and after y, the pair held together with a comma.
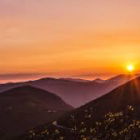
x: 115, y: 116
x: 27, y: 107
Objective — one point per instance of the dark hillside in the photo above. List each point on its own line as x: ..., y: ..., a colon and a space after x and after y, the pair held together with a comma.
x: 26, y: 107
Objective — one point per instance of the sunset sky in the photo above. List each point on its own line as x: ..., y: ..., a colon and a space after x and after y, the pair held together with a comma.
x: 68, y: 38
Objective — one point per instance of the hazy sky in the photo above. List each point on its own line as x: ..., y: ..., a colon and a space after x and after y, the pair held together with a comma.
x: 80, y: 38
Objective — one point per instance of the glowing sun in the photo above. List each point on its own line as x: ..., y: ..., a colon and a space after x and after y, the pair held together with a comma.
x: 130, y: 68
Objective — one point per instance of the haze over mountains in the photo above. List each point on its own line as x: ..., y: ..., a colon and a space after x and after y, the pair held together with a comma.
x: 75, y: 92
x: 23, y: 108
x: 114, y: 116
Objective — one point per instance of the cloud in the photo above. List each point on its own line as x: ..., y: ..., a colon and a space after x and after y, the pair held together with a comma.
x: 92, y: 76
x: 11, y: 76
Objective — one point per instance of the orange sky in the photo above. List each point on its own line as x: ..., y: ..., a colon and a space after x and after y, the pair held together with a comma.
x: 76, y: 38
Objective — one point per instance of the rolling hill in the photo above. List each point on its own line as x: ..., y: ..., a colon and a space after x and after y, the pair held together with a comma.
x: 114, y: 116
x: 75, y: 93
x: 23, y: 108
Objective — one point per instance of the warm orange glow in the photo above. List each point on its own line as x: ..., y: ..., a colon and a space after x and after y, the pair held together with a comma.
x: 69, y: 38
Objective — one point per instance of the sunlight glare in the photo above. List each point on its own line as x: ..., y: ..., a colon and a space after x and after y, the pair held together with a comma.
x: 130, y: 68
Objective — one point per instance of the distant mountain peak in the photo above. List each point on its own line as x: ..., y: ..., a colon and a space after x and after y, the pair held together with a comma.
x: 74, y: 79
x: 99, y: 80
x: 124, y: 77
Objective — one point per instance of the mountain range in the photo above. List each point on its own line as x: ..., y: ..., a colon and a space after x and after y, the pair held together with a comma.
x: 114, y: 116
x: 75, y: 92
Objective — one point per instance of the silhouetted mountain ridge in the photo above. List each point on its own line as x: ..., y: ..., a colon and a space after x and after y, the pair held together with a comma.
x: 114, y: 116
x: 73, y: 92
